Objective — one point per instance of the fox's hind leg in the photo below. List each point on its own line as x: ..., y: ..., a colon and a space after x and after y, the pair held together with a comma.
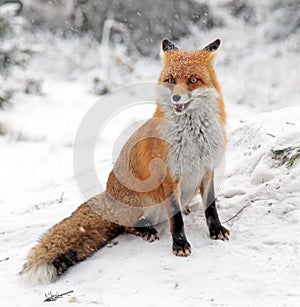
x: 144, y: 229
x: 216, y: 230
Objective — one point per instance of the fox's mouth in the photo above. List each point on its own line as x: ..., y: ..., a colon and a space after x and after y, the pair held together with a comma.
x: 180, y: 108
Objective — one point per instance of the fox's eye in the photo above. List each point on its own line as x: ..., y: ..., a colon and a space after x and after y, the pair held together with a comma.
x: 171, y: 80
x: 193, y: 80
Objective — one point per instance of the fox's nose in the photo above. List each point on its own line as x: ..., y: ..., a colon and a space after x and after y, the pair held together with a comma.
x: 176, y: 97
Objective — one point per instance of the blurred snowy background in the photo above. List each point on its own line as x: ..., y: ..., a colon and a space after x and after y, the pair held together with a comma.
x: 57, y: 58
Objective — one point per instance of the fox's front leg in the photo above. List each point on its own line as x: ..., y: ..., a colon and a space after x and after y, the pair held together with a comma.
x: 216, y: 230
x: 181, y: 247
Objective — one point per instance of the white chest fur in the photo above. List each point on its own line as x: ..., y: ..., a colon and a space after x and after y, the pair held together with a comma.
x: 196, y: 141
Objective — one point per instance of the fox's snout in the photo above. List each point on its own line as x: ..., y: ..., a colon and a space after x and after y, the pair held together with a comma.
x: 176, y: 98
x: 183, y: 98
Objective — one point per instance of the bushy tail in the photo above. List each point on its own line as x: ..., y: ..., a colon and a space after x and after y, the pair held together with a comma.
x: 70, y: 241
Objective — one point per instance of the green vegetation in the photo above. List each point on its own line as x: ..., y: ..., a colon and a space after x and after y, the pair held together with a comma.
x: 287, y: 155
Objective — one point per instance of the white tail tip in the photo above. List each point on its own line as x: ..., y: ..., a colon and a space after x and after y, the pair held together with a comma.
x: 39, y: 274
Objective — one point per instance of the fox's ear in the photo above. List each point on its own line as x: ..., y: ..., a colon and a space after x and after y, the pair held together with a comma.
x: 167, y: 45
x: 213, y: 48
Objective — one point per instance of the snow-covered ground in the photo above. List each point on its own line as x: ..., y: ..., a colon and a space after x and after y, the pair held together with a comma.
x: 258, y: 199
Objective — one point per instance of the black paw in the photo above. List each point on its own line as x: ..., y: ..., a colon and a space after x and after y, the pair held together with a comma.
x: 181, y: 248
x: 144, y: 229
x: 218, y: 232
x: 149, y: 234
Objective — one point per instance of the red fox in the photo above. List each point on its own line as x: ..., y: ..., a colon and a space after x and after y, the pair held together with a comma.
x: 190, y: 122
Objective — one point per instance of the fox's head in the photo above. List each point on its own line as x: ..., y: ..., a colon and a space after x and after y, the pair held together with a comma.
x: 188, y: 80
